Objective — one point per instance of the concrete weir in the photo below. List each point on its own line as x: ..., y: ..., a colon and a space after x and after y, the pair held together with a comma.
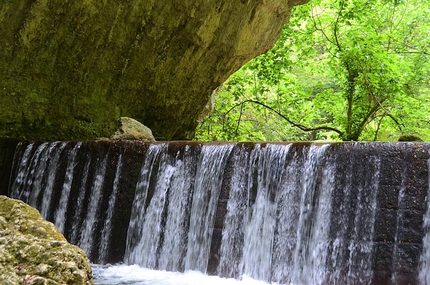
x: 344, y: 213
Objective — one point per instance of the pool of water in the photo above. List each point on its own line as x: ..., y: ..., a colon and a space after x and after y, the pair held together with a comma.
x: 133, y: 274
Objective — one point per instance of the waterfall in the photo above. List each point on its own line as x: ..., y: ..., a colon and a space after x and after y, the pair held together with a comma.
x: 50, y: 180
x: 30, y: 167
x: 60, y: 214
x: 76, y: 223
x: 424, y: 270
x: 260, y: 219
x: 23, y: 160
x: 206, y: 192
x: 136, y: 232
x: 176, y: 226
x: 38, y: 178
x: 159, y: 232
x: 46, y: 180
x: 107, y: 226
x: 300, y: 213
x: 266, y: 233
x: 87, y: 230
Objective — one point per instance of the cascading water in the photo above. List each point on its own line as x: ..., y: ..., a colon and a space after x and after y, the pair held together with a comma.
x: 107, y: 226
x: 50, y: 179
x: 176, y: 221
x: 79, y: 203
x: 424, y: 273
x: 148, y: 224
x: 260, y: 219
x: 60, y: 214
x: 171, y: 206
x: 87, y: 230
x: 273, y: 236
x: 205, y: 199
x: 284, y: 213
x: 46, y: 180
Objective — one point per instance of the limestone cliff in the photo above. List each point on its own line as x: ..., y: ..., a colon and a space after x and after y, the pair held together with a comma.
x: 70, y: 69
x: 33, y: 251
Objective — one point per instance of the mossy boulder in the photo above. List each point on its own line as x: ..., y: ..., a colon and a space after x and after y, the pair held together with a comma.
x: 33, y: 251
x: 410, y: 138
x: 69, y: 69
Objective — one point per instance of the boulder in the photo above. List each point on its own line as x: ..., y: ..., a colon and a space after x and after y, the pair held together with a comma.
x: 410, y: 138
x: 132, y: 130
x: 33, y: 251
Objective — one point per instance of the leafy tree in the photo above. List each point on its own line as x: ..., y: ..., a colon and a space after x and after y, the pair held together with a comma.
x: 348, y: 70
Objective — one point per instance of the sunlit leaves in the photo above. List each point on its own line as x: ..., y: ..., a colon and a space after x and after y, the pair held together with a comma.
x: 360, y: 67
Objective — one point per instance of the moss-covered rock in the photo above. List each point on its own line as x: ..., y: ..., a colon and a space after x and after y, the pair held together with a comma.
x: 69, y: 69
x: 33, y: 251
x: 410, y: 138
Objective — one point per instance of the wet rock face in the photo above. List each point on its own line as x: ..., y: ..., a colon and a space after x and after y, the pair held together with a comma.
x: 7, y: 149
x: 70, y: 69
x: 32, y: 251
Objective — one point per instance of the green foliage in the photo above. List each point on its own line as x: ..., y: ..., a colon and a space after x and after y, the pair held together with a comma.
x: 342, y: 70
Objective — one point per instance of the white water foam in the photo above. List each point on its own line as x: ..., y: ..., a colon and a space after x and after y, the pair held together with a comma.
x: 133, y: 274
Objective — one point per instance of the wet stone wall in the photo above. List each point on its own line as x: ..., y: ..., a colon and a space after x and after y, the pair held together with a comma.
x: 347, y: 213
x: 401, y: 204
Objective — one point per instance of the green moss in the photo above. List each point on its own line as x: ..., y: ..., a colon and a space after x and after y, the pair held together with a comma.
x: 410, y: 138
x: 31, y: 246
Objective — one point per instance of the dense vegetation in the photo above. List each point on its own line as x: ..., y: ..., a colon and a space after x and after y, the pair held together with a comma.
x: 348, y: 70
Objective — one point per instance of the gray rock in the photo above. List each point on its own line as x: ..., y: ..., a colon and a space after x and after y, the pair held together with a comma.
x: 33, y: 251
x: 132, y: 130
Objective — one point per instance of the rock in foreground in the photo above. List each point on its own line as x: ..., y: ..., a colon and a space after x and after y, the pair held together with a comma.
x: 33, y: 251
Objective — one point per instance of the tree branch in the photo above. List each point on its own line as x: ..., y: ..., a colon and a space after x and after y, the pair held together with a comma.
x: 379, y: 102
x: 399, y: 125
x: 299, y: 126
x: 336, y: 27
x: 320, y: 29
